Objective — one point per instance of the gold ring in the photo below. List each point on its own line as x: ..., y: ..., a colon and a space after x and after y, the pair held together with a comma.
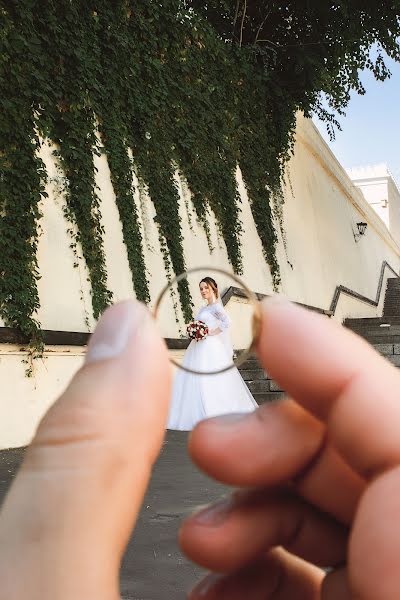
x: 256, y: 319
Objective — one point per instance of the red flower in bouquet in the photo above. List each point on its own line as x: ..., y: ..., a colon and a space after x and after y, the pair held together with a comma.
x: 197, y: 330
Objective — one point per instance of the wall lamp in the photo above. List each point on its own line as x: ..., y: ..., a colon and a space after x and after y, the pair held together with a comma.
x: 361, y: 229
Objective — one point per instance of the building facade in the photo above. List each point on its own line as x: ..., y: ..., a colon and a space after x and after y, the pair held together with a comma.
x: 325, y: 263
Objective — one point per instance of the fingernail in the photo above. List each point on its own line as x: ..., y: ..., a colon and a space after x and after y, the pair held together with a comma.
x: 114, y: 330
x: 204, y: 587
x: 215, y: 514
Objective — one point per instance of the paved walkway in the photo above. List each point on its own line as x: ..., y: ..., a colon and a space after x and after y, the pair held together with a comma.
x: 153, y: 567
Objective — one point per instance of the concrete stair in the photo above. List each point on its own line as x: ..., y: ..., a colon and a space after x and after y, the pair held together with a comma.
x: 383, y: 333
x: 391, y: 307
x: 383, y: 339
x: 263, y: 388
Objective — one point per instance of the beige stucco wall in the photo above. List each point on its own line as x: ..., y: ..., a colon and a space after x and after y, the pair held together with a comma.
x: 320, y: 218
x: 321, y: 210
x: 381, y: 192
x: 23, y: 400
x: 320, y: 213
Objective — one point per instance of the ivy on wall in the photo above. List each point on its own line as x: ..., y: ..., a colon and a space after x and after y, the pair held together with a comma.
x: 150, y: 78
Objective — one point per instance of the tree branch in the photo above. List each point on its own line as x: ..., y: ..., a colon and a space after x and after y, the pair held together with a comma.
x: 242, y: 24
x: 261, y: 26
x: 272, y: 43
x: 236, y: 17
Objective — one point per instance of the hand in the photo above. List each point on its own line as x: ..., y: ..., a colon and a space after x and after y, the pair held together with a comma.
x: 69, y: 513
x: 319, y: 473
x: 216, y: 331
x: 77, y: 496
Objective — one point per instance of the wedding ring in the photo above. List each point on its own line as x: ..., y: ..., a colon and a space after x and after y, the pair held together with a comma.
x: 237, y: 302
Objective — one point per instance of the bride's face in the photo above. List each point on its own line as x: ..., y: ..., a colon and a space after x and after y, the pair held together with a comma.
x: 206, y: 291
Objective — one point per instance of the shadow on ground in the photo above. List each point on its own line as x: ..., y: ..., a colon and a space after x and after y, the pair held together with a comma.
x: 153, y: 567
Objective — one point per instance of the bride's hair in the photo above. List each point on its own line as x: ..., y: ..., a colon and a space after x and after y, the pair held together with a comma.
x: 212, y: 283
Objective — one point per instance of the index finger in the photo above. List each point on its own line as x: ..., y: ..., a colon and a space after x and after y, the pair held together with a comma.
x: 339, y: 378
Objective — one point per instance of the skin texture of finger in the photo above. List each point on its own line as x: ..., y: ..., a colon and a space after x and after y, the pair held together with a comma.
x: 336, y: 586
x: 260, y: 435
x: 374, y: 546
x: 340, y: 379
x: 254, y: 450
x: 74, y: 502
x: 233, y: 533
x: 278, y: 576
x: 325, y: 475
x: 337, y: 377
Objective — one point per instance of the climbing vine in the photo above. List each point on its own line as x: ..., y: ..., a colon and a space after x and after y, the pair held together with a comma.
x: 122, y: 181
x: 160, y: 87
x: 73, y: 133
x: 22, y: 181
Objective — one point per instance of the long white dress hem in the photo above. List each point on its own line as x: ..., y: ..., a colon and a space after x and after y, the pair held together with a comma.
x: 197, y: 397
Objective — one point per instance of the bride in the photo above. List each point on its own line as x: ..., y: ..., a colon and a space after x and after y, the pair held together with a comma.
x: 196, y: 397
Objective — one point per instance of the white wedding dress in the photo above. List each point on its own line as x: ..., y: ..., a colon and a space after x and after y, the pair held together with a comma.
x: 196, y: 397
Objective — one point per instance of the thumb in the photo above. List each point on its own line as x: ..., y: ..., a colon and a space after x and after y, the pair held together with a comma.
x: 69, y: 513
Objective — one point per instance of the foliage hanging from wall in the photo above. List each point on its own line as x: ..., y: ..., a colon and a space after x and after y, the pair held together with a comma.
x: 174, y: 83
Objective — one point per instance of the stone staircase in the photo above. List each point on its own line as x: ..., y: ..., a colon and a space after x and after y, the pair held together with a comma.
x: 383, y: 333
x: 391, y: 307
x: 263, y: 388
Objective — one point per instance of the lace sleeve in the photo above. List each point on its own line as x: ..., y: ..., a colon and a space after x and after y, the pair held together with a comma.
x: 220, y: 314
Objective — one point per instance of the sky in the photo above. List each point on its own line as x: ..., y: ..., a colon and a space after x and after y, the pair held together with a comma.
x: 371, y: 128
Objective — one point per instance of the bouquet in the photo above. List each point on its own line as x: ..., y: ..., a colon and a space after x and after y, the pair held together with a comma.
x: 197, y: 330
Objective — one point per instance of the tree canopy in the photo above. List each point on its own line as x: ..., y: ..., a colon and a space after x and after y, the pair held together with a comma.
x: 191, y: 88
x: 314, y: 49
